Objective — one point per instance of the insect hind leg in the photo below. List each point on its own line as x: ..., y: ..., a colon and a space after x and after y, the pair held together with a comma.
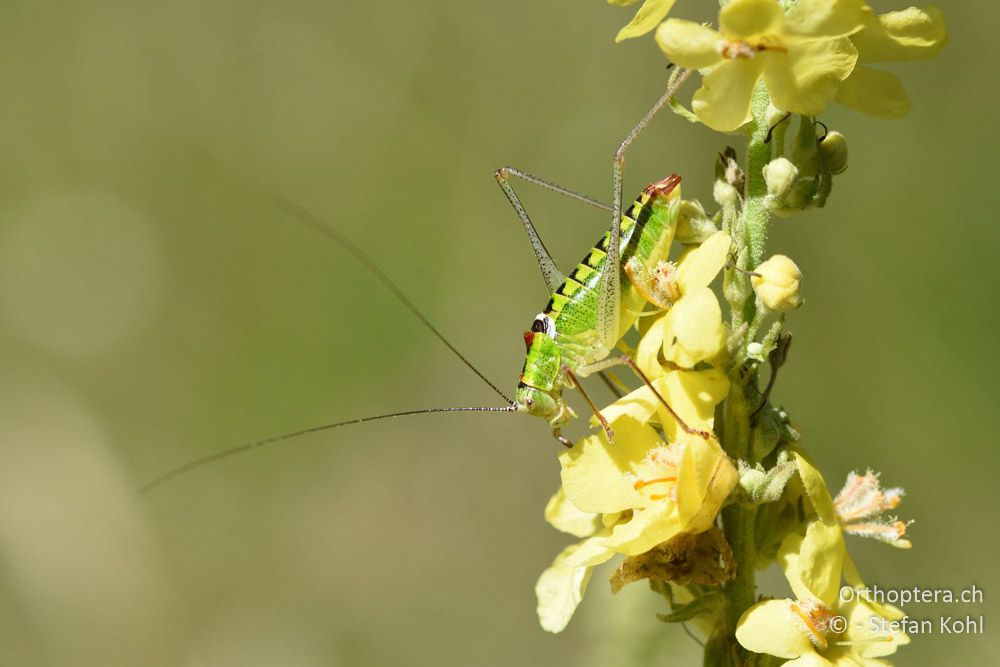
x: 608, y: 306
x: 504, y: 172
x: 551, y: 274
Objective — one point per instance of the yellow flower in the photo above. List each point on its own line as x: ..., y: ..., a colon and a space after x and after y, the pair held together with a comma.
x: 911, y: 34
x: 647, y: 18
x: 802, y: 56
x: 628, y: 497
x: 692, y: 330
x: 640, y: 492
x: 818, y: 627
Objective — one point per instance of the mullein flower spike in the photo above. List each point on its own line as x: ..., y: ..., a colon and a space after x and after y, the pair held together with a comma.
x: 698, y: 496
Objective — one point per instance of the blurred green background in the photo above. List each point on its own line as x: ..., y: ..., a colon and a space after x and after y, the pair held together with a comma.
x: 156, y: 306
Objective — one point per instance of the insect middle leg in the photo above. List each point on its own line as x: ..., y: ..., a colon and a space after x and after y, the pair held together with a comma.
x: 628, y: 361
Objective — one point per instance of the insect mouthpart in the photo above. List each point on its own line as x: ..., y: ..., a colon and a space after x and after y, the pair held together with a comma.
x: 534, y: 401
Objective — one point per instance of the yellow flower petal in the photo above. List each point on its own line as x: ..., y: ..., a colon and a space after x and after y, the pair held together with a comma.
x: 746, y: 18
x: 689, y: 44
x: 806, y: 78
x: 911, y: 34
x: 871, y: 640
x: 874, y: 92
x: 853, y: 577
x: 561, y: 587
x: 723, y: 101
x: 813, y: 563
x: 639, y: 405
x: 647, y: 528
x: 564, y: 516
x: 594, y: 473
x: 693, y: 395
x: 816, y: 489
x: 816, y: 660
x: 788, y: 558
x: 647, y: 353
x: 851, y: 574
x: 559, y: 591
x: 694, y: 329
x: 826, y: 18
x: 704, y: 480
x: 647, y: 18
x: 698, y: 267
x: 770, y: 627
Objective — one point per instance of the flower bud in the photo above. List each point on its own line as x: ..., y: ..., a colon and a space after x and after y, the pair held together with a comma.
x: 780, y: 175
x: 725, y: 194
x: 693, y: 224
x: 833, y: 151
x: 777, y: 283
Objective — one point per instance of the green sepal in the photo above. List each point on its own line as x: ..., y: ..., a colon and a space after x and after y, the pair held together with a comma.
x: 765, y: 435
x: 707, y: 604
x: 767, y: 486
x: 678, y: 108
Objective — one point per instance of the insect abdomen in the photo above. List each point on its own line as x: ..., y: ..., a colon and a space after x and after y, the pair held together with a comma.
x: 646, y: 233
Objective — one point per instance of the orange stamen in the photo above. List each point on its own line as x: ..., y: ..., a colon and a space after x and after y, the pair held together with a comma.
x: 643, y: 483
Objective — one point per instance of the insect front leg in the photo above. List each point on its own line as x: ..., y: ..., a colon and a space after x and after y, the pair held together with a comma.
x: 573, y: 381
x: 626, y: 360
x: 566, y: 442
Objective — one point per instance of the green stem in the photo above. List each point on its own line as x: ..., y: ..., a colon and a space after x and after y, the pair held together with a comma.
x: 737, y: 520
x: 755, y: 215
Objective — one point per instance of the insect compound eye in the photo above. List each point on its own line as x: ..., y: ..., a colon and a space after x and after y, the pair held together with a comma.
x: 543, y: 324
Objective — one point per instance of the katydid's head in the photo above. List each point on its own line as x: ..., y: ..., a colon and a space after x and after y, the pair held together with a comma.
x: 540, y: 390
x: 665, y: 188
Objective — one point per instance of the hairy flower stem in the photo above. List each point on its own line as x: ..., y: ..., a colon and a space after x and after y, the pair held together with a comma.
x: 755, y: 215
x: 738, y: 521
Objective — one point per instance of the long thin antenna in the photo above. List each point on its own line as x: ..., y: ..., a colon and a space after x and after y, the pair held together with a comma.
x: 239, y: 449
x: 329, y: 231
